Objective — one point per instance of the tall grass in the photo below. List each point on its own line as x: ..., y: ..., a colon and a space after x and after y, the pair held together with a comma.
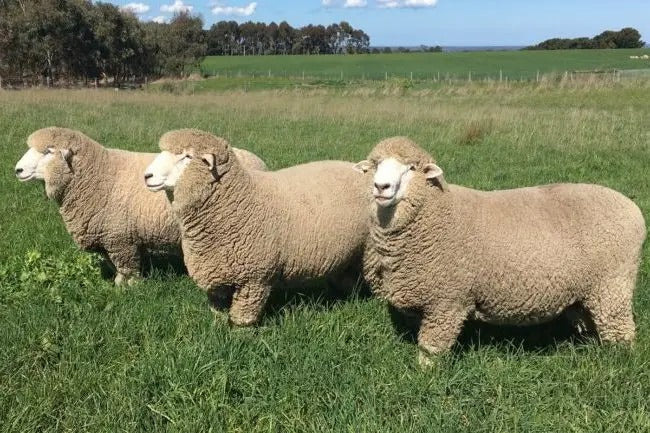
x: 81, y: 355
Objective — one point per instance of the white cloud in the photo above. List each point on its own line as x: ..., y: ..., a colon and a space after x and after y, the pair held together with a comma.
x: 355, y: 3
x: 136, y: 8
x: 159, y: 19
x: 413, y: 4
x: 177, y: 7
x: 243, y: 11
x: 344, y: 3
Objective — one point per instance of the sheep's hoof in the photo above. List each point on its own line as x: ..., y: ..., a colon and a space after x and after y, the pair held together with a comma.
x: 241, y: 321
x: 135, y: 279
x: 426, y: 360
x: 122, y: 279
x: 119, y: 279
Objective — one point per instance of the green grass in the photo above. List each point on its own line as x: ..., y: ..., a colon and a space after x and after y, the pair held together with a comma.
x: 78, y: 354
x: 516, y: 65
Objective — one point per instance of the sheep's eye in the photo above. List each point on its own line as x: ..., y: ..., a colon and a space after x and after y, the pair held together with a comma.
x: 47, y: 151
x: 412, y: 167
x: 188, y: 156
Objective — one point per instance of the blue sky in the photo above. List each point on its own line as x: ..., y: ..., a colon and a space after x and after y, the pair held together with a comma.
x: 430, y: 22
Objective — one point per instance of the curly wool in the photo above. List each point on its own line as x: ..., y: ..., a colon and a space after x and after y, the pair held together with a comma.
x: 104, y: 202
x: 246, y: 232
x: 518, y: 256
x: 198, y: 141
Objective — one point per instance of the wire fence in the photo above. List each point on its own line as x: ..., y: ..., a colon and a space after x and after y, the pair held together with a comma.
x: 344, y: 76
x: 432, y: 76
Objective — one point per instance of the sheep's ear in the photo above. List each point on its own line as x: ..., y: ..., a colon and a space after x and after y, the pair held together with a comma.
x: 209, y: 159
x: 66, y: 154
x: 363, y: 166
x: 434, y: 173
x: 217, y: 170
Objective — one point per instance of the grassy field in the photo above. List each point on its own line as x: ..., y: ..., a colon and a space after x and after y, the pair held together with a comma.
x: 515, y: 65
x: 79, y: 354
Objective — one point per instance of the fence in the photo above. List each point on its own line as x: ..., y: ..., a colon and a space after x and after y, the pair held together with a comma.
x: 420, y: 76
x: 32, y: 81
x: 342, y: 76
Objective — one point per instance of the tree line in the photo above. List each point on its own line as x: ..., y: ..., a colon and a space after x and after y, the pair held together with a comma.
x: 228, y: 38
x: 625, y: 38
x: 48, y: 41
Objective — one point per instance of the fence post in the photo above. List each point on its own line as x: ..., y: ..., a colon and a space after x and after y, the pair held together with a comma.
x: 469, y: 76
x: 303, y: 75
x: 386, y: 76
x: 500, y: 75
x: 0, y: 82
x: 269, y: 73
x: 537, y: 80
x: 411, y: 76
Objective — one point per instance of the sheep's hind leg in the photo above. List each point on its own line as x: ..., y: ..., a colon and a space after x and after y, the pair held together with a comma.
x: 438, y: 332
x: 611, y: 310
x: 248, y: 303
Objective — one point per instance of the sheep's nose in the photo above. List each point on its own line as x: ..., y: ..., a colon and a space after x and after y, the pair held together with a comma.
x: 148, y: 176
x: 19, y: 170
x: 382, y: 186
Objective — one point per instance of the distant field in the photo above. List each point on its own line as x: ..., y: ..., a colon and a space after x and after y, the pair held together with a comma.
x: 80, y: 355
x: 513, y: 64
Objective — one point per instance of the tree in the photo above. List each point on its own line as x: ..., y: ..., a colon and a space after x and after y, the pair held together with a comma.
x: 629, y: 38
x: 625, y: 38
x: 183, y: 45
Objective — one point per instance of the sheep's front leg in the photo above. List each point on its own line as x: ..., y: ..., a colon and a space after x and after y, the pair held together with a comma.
x: 248, y: 302
x: 439, y: 329
x: 127, y: 261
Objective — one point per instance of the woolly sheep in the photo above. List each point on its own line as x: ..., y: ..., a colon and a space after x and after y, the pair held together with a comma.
x: 101, y: 198
x: 521, y: 256
x: 246, y: 232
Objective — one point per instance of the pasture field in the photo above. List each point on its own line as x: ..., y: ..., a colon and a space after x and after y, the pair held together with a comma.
x: 516, y: 65
x: 78, y: 354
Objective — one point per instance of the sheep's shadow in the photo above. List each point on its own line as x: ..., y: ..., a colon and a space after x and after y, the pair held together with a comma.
x: 318, y: 298
x: 540, y: 338
x: 152, y: 265
x: 315, y: 297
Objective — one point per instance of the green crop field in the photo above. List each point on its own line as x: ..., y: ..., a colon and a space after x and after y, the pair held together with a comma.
x: 78, y: 354
x: 515, y: 65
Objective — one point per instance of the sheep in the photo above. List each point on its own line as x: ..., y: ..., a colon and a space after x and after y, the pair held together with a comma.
x: 246, y: 232
x: 448, y: 253
x: 104, y: 206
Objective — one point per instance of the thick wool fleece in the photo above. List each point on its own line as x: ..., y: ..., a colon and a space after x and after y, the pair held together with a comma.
x: 197, y: 141
x: 104, y: 202
x: 245, y: 232
x: 518, y: 256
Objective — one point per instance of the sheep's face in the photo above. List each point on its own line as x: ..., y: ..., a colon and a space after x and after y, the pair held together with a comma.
x: 49, y: 163
x: 392, y: 176
x: 32, y: 164
x: 165, y: 170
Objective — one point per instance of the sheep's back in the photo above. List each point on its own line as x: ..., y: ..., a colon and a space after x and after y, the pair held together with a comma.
x: 544, y: 245
x: 321, y: 211
x: 146, y: 215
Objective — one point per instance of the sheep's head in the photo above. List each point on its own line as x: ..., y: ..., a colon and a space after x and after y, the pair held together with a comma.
x: 51, y: 157
x: 394, y: 164
x: 188, y: 151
